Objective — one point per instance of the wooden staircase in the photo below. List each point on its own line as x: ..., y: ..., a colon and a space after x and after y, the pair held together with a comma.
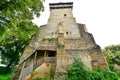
x: 28, y: 70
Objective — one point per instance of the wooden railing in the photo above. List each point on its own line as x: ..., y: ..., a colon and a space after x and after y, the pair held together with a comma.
x: 27, y: 70
x: 38, y: 63
x: 50, y: 59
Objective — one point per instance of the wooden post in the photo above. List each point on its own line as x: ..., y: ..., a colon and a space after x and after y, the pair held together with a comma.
x: 22, y: 70
x: 35, y: 60
x: 45, y: 54
x: 35, y: 56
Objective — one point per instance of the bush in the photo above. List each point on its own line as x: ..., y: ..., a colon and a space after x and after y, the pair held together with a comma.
x: 4, y: 70
x: 5, y: 77
x: 79, y: 72
x: 113, y: 69
x: 103, y: 75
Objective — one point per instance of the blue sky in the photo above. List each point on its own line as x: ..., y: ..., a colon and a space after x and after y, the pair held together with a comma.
x: 102, y: 18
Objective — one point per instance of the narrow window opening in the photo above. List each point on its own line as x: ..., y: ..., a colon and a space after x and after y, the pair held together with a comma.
x: 65, y: 14
x: 52, y: 33
x: 66, y: 32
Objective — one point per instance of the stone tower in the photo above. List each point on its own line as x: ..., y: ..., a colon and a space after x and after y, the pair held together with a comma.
x: 57, y: 44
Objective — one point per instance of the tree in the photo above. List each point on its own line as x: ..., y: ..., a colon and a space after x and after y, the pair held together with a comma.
x: 11, y: 51
x: 15, y: 12
x: 112, y: 54
x: 17, y: 27
x: 19, y: 10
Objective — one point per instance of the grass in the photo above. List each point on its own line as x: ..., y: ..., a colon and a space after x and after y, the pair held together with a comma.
x: 5, y: 77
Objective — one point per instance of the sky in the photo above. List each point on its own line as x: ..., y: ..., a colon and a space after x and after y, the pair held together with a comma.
x: 102, y: 18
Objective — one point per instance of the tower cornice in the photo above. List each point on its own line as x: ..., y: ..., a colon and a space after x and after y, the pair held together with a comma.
x: 61, y: 5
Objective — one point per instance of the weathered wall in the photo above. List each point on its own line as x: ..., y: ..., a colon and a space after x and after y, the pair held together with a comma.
x: 65, y: 17
x: 69, y: 39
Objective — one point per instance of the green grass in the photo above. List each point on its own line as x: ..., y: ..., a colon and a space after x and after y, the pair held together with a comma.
x: 5, y: 77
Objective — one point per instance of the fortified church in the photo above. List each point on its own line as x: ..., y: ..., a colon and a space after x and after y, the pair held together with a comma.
x: 57, y: 44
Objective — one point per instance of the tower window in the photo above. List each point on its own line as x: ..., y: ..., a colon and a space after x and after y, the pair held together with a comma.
x: 65, y: 14
x: 66, y: 32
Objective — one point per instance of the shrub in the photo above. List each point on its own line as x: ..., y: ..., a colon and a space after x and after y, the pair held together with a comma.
x: 5, y: 77
x: 78, y: 71
x: 4, y: 70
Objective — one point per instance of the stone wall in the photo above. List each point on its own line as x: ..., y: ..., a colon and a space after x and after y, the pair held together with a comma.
x: 68, y: 40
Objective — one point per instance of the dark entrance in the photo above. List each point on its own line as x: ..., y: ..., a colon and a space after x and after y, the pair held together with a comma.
x: 51, y: 53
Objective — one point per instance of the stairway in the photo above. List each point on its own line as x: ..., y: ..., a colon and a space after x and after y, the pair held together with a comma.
x: 28, y: 70
x: 38, y: 65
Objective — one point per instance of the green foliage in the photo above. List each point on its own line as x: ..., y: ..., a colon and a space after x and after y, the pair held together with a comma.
x: 103, y: 75
x: 49, y: 39
x: 11, y: 49
x: 16, y: 28
x: 5, y: 77
x: 18, y: 9
x: 3, y: 69
x: 79, y: 72
x: 112, y: 54
x: 32, y: 72
x: 51, y: 71
x: 16, y: 16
